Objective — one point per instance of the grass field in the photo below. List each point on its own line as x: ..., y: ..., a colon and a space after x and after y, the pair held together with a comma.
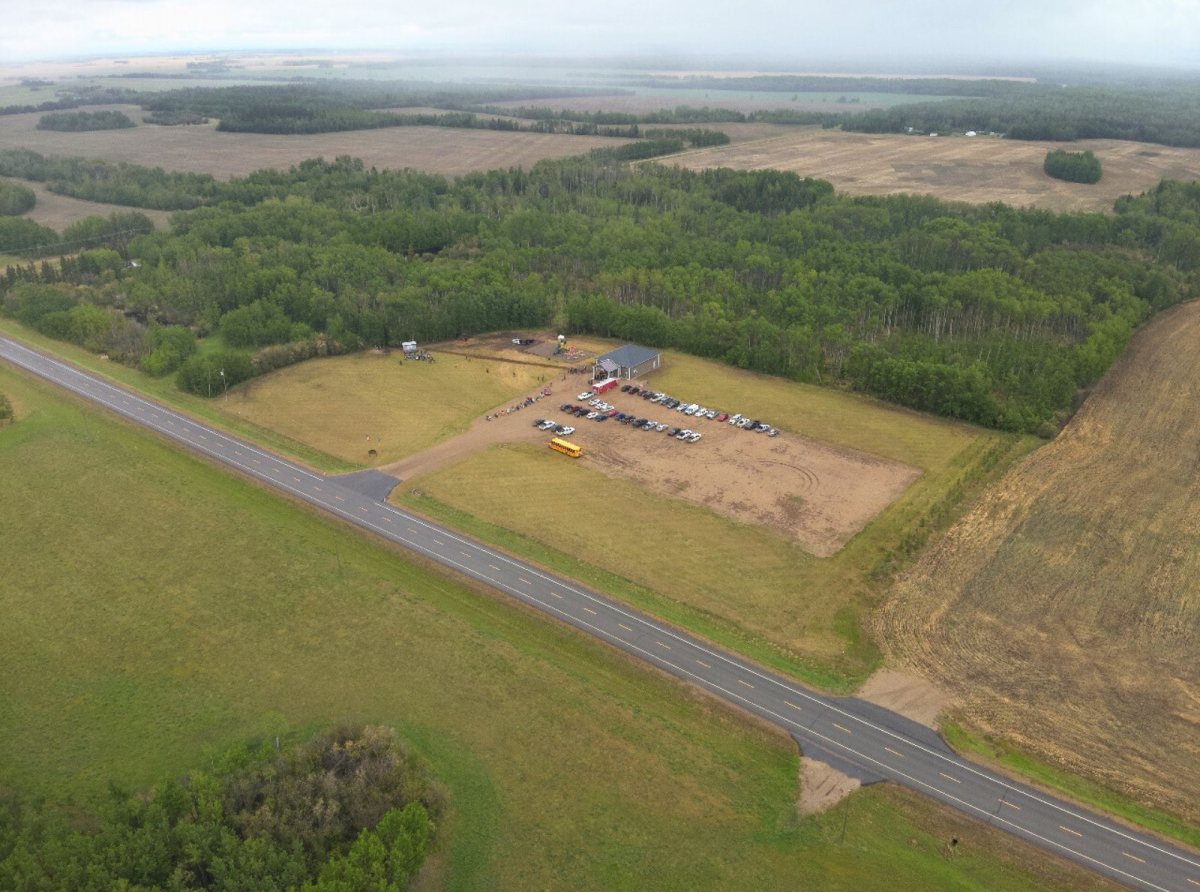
x: 60, y: 211
x: 743, y: 584
x: 959, y: 169
x: 163, y: 610
x: 201, y: 148
x: 1063, y: 609
x: 334, y: 404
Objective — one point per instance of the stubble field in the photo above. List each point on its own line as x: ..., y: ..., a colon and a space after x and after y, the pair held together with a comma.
x: 979, y: 169
x: 174, y: 610
x: 1064, y: 609
x: 202, y: 149
x: 60, y: 211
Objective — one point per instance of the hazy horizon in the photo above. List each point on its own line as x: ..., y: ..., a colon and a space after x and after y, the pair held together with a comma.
x: 925, y: 36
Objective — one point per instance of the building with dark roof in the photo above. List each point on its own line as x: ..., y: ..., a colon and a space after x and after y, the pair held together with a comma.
x: 626, y: 362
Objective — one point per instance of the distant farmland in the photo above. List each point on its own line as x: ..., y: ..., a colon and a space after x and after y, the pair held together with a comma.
x: 59, y: 211
x: 958, y: 169
x: 201, y: 148
x: 1063, y: 610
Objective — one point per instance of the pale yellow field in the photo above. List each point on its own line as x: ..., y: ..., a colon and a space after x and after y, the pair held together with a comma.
x: 979, y: 169
x: 202, y: 149
x: 334, y: 404
x: 1064, y: 610
x: 60, y: 211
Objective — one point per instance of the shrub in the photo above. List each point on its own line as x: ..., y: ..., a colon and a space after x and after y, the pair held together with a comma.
x: 202, y: 375
x: 1074, y: 167
x: 6, y: 409
x: 166, y: 349
x: 74, y: 122
x: 15, y: 199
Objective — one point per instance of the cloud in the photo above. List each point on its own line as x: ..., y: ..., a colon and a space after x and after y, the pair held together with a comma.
x: 1152, y: 31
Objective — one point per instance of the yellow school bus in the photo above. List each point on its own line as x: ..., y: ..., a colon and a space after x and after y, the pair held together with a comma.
x: 559, y: 445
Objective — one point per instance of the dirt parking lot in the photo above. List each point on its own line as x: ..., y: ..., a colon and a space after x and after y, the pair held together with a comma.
x: 816, y: 494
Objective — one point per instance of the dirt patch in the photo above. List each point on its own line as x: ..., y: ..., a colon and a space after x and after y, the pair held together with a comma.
x: 977, y: 169
x: 822, y: 786
x: 816, y: 494
x: 1063, y: 611
x: 201, y: 148
x: 909, y: 695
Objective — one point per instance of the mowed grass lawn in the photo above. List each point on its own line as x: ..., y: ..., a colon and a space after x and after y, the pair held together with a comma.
x: 742, y: 584
x: 157, y: 610
x: 334, y: 404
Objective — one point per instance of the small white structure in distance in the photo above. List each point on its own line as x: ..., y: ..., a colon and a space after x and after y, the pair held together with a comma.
x: 972, y: 133
x: 409, y: 346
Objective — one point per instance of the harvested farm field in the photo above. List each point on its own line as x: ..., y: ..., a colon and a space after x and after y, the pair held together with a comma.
x: 203, y: 149
x: 979, y: 169
x: 60, y: 211
x: 1063, y: 611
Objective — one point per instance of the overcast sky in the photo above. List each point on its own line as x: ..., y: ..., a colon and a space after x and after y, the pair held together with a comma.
x: 1165, y: 32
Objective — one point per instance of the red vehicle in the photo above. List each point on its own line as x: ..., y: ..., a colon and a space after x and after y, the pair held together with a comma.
x: 724, y: 416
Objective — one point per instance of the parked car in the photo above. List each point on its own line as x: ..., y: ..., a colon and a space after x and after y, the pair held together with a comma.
x: 735, y: 419
x: 625, y: 388
x: 546, y: 425
x: 649, y: 425
x: 712, y: 413
x: 581, y: 411
x: 673, y: 431
x: 773, y: 432
x: 602, y: 417
x: 611, y: 413
x: 689, y: 411
x: 660, y: 427
x: 762, y: 428
x: 683, y: 434
x: 695, y: 438
x: 586, y: 395
x: 538, y: 422
x: 724, y: 416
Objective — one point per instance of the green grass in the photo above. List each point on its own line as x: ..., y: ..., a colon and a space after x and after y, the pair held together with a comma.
x: 741, y: 584
x: 164, y: 390
x: 157, y: 610
x: 1080, y: 789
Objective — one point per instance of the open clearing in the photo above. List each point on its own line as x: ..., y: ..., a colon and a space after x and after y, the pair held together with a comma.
x: 635, y: 521
x: 812, y: 493
x: 981, y: 169
x: 335, y: 404
x: 1064, y: 610
x: 60, y: 211
x: 175, y: 610
x: 202, y: 149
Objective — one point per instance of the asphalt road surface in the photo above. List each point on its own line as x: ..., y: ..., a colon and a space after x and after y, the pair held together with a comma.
x: 862, y: 739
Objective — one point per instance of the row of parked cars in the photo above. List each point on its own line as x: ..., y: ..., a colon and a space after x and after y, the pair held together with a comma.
x: 694, y: 410
x: 598, y: 413
x: 560, y: 430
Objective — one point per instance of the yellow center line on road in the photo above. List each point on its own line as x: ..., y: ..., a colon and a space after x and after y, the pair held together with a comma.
x: 463, y: 553
x: 557, y: 595
x: 1193, y: 882
x: 1009, y: 804
x: 388, y: 520
x: 893, y: 752
x: 590, y: 610
x: 364, y: 510
x: 526, y: 581
x: 704, y: 664
x: 746, y: 683
x: 411, y: 530
x: 840, y: 728
x: 339, y: 498
x: 793, y: 705
x: 438, y: 542
x: 660, y: 644
x: 170, y: 422
x: 948, y: 777
x: 297, y: 479
x: 493, y: 566
x: 625, y: 627
x: 1069, y: 830
x: 1134, y: 857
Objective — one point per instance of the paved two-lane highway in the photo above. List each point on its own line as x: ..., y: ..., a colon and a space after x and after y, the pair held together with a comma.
x: 864, y: 739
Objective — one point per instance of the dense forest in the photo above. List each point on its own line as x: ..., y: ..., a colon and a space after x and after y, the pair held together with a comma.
x: 15, y: 199
x: 350, y: 810
x: 986, y: 313
x: 77, y: 122
x: 1074, y: 167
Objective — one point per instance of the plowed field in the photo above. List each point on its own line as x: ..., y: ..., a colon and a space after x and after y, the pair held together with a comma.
x: 1064, y: 609
x: 979, y: 169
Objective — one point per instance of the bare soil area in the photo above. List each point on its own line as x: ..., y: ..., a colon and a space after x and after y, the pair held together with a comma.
x: 979, y: 169
x: 60, y: 211
x: 1063, y: 611
x: 814, y: 493
x: 909, y: 695
x: 203, y: 149
x: 822, y: 786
